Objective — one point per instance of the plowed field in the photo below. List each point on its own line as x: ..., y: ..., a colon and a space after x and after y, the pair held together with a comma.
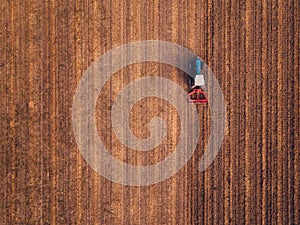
x: 252, y: 47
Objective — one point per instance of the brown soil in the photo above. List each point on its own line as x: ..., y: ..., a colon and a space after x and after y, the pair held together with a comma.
x: 253, y: 49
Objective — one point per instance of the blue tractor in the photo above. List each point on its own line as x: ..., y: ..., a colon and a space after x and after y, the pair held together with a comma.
x: 197, y: 95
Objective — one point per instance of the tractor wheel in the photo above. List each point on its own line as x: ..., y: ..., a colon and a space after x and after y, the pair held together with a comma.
x: 191, y: 83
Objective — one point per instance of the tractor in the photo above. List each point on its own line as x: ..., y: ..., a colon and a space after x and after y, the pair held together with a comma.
x: 197, y: 95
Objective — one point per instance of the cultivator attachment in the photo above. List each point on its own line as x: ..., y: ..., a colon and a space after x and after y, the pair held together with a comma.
x: 198, y: 96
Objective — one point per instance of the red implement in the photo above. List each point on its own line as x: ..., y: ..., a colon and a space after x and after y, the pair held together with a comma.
x: 198, y: 96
